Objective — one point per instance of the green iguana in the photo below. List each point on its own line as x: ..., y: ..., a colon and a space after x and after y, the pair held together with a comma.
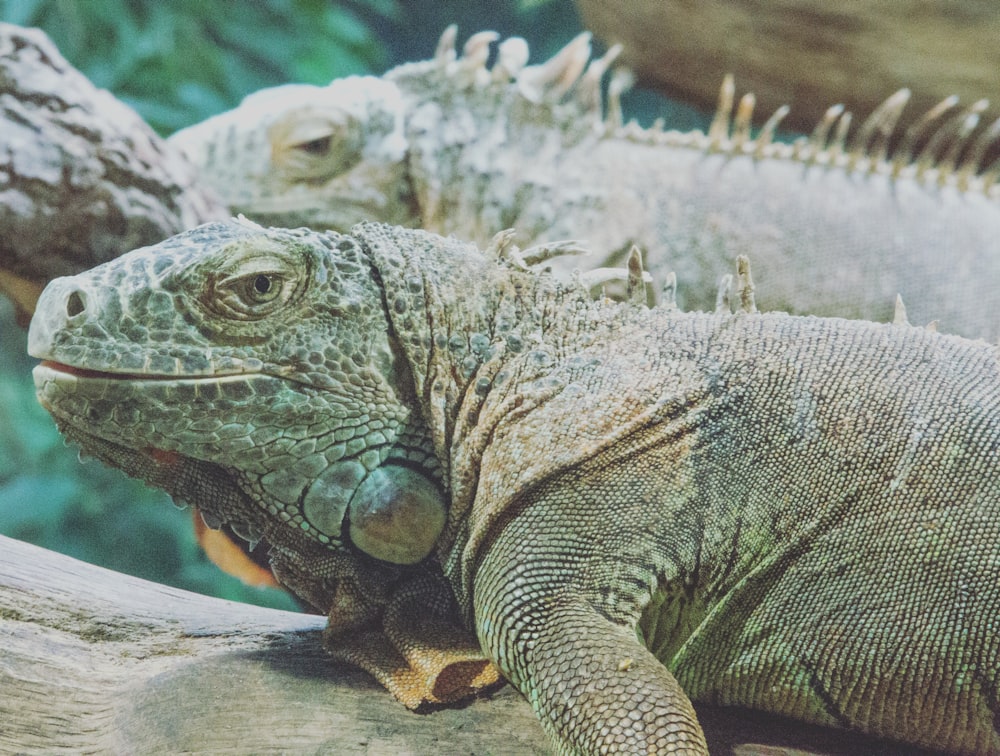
x: 632, y: 508
x: 451, y: 146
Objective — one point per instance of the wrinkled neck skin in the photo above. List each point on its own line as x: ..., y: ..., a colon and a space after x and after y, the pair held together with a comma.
x: 475, y: 333
x: 315, y: 574
x: 444, y: 312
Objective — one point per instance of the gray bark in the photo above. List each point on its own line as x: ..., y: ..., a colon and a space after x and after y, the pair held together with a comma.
x: 83, y: 179
x: 96, y: 661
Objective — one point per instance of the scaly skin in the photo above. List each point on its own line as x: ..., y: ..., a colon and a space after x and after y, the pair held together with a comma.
x: 449, y: 146
x: 630, y: 507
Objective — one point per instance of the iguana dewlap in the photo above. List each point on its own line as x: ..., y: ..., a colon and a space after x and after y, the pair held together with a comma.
x: 631, y: 508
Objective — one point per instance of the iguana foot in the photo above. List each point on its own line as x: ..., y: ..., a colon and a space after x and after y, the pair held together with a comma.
x: 421, y: 655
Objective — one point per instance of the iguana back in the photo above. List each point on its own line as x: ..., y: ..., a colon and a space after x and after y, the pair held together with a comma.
x: 451, y: 146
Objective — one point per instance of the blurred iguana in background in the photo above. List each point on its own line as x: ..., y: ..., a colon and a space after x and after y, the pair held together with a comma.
x: 834, y: 224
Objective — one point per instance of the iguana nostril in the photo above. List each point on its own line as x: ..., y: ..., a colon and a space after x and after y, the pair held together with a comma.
x: 75, y: 304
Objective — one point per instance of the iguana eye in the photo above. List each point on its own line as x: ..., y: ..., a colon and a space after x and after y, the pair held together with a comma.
x: 319, y: 146
x: 307, y: 145
x: 253, y: 295
x: 264, y: 288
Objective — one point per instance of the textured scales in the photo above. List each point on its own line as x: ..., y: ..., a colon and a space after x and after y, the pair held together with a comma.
x: 452, y: 146
x: 641, y: 506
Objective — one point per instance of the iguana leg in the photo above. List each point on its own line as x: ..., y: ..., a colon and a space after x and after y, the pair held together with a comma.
x: 421, y: 654
x: 593, y: 685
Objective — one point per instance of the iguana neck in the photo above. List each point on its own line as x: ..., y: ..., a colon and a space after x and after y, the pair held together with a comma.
x: 471, y: 150
x: 455, y: 317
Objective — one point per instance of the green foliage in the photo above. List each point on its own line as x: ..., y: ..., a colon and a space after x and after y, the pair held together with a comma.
x: 179, y: 62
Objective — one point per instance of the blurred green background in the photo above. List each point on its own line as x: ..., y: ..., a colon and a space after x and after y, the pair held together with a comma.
x: 177, y: 63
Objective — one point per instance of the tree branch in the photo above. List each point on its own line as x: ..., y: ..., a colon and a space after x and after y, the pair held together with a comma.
x: 95, y: 661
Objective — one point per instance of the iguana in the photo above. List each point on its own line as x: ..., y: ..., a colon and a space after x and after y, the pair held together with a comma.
x: 630, y: 507
x: 452, y: 146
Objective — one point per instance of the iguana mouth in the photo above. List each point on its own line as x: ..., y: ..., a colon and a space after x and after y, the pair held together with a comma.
x: 108, y: 375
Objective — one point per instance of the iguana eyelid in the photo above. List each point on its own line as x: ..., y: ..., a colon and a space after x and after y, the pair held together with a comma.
x: 310, y: 145
x: 236, y: 295
x: 234, y: 281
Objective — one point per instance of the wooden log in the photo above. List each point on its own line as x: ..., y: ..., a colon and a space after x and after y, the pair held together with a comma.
x: 808, y: 54
x: 95, y: 661
x: 83, y: 179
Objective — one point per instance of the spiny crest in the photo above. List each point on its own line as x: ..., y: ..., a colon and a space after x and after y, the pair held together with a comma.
x: 736, y: 294
x: 570, y: 76
x: 951, y: 151
x: 502, y: 250
x: 899, y: 317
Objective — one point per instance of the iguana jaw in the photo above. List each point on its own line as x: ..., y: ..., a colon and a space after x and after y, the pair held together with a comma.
x: 387, y: 510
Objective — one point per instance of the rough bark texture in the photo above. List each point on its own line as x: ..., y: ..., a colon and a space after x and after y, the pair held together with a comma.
x: 806, y: 53
x: 83, y: 179
x: 92, y: 660
x: 95, y: 661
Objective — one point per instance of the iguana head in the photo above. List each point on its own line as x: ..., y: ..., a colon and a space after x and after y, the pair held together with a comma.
x: 327, y: 157
x: 391, y: 148
x: 251, y: 372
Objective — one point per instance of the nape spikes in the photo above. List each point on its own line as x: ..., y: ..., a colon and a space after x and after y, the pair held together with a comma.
x: 952, y: 148
x: 736, y: 292
x: 963, y: 129
x: 555, y: 77
x: 500, y: 244
x: 621, y: 81
x: 947, y: 134
x: 718, y: 131
x: 871, y: 141
x: 899, y: 312
x: 540, y: 253
x: 768, y: 130
x: 503, y: 249
x: 744, y: 285
x: 818, y: 140
x: 668, y: 293
x: 475, y: 54
x: 589, y: 89
x: 916, y: 131
x: 742, y: 121
x: 445, y: 52
x: 723, y: 296
x: 599, y: 276
x: 635, y: 287
x: 512, y: 57
x: 974, y: 155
